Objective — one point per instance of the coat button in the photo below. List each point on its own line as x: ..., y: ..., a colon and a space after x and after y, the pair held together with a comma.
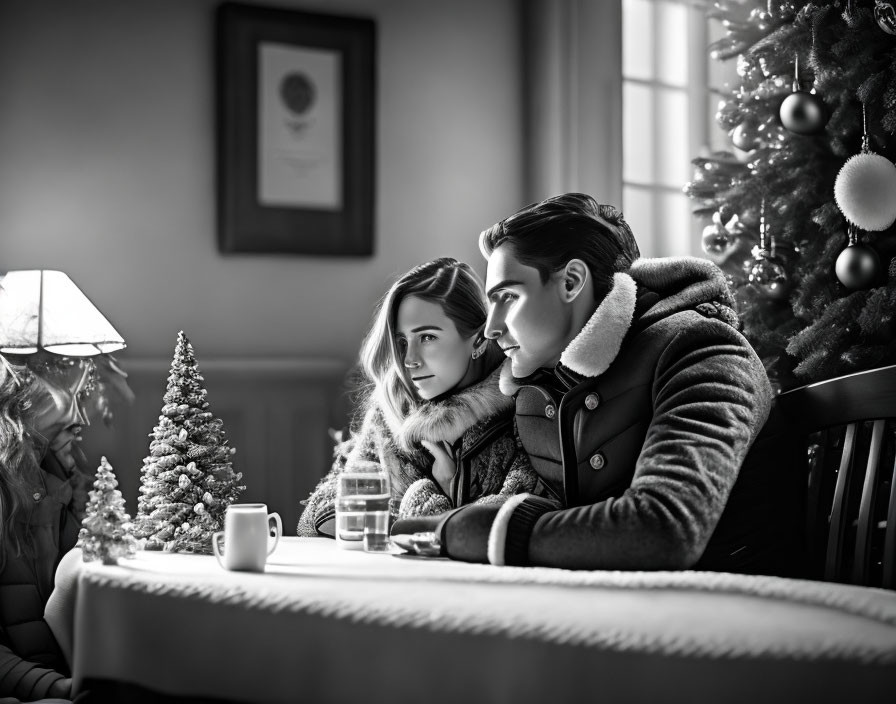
x: 597, y: 461
x: 549, y: 411
x: 592, y: 401
x: 36, y: 496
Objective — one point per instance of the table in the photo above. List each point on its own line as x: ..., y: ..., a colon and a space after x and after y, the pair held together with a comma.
x: 328, y: 625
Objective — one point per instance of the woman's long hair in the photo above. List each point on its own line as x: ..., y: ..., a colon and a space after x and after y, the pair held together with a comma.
x: 451, y: 284
x: 18, y: 453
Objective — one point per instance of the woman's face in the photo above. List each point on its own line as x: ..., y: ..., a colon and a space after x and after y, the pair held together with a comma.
x: 434, y: 354
x: 57, y: 412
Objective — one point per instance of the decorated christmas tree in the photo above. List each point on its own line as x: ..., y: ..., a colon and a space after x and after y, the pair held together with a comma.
x: 804, y: 201
x: 188, y: 479
x: 106, y: 531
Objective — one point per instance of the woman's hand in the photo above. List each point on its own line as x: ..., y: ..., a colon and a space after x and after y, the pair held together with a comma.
x: 443, y: 468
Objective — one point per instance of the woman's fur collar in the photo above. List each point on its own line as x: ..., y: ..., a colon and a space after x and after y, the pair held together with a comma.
x: 447, y: 419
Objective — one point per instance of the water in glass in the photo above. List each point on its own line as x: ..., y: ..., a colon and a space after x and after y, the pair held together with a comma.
x: 359, y: 497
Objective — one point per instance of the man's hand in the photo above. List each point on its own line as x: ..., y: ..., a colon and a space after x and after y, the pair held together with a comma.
x: 61, y: 689
x: 443, y: 469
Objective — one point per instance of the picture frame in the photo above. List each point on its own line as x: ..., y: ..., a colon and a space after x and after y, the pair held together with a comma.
x: 295, y: 103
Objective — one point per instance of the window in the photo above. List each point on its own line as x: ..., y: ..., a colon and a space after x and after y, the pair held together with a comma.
x: 670, y: 94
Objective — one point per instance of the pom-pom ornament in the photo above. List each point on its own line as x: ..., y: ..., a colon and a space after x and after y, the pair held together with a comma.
x: 885, y: 16
x: 865, y: 191
x: 858, y: 265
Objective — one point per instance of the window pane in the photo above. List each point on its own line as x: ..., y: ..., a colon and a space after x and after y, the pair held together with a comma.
x: 673, y: 167
x: 637, y: 133
x: 637, y: 209
x: 672, y: 43
x: 676, y: 237
x: 722, y: 74
x: 637, y: 39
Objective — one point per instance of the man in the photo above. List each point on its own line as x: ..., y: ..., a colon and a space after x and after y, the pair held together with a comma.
x: 637, y: 400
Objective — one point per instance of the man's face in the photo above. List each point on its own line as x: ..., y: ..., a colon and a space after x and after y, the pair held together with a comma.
x: 530, y: 320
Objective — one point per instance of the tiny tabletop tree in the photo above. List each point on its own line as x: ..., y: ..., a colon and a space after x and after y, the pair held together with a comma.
x: 106, y: 531
x: 187, y: 479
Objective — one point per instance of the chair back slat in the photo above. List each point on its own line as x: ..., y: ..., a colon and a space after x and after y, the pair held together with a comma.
x: 837, y: 521
x: 847, y: 429
x: 889, y: 555
x: 815, y: 522
x: 866, y: 523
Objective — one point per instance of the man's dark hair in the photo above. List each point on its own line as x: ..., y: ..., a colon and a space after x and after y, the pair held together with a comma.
x: 549, y: 234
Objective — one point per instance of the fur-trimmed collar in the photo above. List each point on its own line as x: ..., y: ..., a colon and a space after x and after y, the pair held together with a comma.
x: 680, y: 282
x: 447, y: 419
x: 593, y: 350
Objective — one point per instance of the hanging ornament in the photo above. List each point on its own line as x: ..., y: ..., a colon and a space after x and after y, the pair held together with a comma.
x: 761, y: 19
x: 885, y: 15
x: 803, y: 112
x: 719, y: 239
x: 767, y: 273
x: 858, y: 265
x: 865, y: 188
x: 745, y: 135
x: 786, y: 10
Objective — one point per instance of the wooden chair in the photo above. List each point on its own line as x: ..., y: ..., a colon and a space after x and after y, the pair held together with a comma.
x: 847, y: 431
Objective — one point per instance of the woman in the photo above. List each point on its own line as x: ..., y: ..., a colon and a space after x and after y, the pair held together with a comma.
x: 42, y: 498
x: 433, y: 415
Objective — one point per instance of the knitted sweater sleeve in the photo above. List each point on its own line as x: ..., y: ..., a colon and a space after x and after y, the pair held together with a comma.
x: 711, y: 396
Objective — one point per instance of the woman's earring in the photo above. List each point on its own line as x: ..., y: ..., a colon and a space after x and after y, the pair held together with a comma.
x: 480, y: 346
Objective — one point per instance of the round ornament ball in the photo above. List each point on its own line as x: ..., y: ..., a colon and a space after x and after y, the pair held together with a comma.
x: 865, y: 191
x: 770, y: 279
x: 857, y: 266
x: 745, y: 136
x: 716, y: 242
x: 804, y: 113
x: 885, y: 15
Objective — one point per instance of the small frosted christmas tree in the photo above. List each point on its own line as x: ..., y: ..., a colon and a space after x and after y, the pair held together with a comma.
x: 106, y: 531
x: 187, y: 479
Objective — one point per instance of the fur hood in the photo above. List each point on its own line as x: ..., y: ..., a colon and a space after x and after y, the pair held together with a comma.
x: 680, y: 283
x: 448, y: 419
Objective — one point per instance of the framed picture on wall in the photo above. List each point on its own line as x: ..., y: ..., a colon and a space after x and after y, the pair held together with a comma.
x: 295, y: 131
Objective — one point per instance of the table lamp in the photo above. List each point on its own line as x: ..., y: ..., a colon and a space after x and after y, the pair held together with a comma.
x: 43, y: 310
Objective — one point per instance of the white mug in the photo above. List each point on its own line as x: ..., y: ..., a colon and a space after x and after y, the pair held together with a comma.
x: 247, y: 531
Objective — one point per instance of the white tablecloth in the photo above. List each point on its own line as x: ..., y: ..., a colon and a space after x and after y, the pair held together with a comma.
x: 325, y: 625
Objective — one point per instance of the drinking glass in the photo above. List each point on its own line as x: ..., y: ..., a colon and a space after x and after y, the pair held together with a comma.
x: 362, y: 511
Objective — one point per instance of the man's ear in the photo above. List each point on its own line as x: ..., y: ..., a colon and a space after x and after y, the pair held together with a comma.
x: 575, y: 277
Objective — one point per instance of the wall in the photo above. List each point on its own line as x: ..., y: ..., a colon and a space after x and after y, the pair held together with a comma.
x: 107, y: 167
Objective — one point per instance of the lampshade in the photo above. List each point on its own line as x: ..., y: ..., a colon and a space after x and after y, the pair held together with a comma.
x: 45, y: 310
